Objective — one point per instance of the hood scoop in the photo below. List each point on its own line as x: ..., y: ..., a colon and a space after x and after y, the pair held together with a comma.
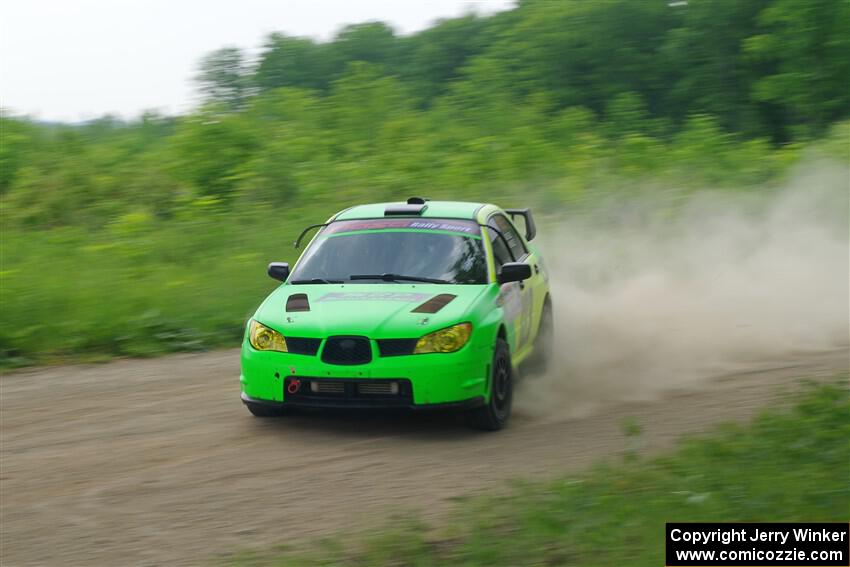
x: 297, y: 302
x: 434, y: 304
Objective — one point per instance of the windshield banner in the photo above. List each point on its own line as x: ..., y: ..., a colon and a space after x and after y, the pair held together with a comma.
x: 450, y: 225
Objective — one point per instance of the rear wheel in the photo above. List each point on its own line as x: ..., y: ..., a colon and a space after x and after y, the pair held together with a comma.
x: 261, y: 410
x: 494, y: 415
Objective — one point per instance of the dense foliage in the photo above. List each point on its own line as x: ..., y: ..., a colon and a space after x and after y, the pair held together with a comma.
x: 551, y: 102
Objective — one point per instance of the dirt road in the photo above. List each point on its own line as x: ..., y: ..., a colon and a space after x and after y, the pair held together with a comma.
x: 156, y: 462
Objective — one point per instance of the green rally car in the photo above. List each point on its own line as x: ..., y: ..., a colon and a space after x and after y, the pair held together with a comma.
x: 423, y: 304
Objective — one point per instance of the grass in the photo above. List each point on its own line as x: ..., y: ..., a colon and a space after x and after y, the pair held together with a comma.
x: 787, y: 465
x: 140, y: 287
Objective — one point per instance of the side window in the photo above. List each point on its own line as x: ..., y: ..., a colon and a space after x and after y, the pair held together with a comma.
x: 514, y: 240
x: 501, y: 254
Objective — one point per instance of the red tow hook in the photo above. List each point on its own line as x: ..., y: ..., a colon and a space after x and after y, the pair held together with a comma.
x: 293, y: 386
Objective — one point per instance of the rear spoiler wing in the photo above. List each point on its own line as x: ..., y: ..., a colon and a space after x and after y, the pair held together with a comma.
x: 530, y: 227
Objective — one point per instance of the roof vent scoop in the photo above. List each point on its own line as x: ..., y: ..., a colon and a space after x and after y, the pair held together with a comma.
x: 409, y: 209
x: 417, y: 200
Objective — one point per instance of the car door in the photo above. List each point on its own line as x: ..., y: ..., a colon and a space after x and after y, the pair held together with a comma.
x: 517, y: 297
x: 539, y: 281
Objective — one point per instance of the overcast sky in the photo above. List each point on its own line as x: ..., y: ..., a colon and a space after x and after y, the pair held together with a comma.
x: 77, y: 59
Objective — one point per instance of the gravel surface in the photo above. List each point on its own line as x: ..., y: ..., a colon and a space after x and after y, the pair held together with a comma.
x: 156, y: 462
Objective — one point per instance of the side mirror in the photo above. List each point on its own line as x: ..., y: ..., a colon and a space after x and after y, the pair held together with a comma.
x: 514, y: 272
x: 279, y: 271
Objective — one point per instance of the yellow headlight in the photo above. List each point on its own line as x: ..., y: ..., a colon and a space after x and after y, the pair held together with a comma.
x: 445, y: 340
x: 263, y: 338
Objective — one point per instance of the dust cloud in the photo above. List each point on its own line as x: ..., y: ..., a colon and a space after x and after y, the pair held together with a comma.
x: 651, y: 295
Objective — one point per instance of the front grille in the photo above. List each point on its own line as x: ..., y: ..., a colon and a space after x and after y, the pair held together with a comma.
x: 383, y: 388
x: 327, y: 387
x: 347, y: 350
x: 396, y: 347
x: 298, y: 345
x: 347, y: 392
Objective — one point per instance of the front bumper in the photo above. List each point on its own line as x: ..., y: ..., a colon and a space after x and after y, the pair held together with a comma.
x: 471, y: 403
x: 434, y: 379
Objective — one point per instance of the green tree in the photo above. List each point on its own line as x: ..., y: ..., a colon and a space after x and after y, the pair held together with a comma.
x: 223, y: 78
x: 807, y: 47
x: 360, y: 102
x: 703, y: 54
x: 292, y: 62
x: 206, y: 151
x: 585, y: 53
x: 433, y: 58
x: 18, y: 143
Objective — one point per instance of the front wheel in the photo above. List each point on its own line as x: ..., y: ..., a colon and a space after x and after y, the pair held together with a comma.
x: 494, y: 415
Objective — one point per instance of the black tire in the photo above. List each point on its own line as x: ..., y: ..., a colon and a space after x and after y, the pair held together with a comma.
x: 544, y: 343
x: 495, y: 414
x: 261, y: 410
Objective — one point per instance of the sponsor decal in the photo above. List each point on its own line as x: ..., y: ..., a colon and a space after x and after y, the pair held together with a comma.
x: 459, y: 226
x: 374, y: 296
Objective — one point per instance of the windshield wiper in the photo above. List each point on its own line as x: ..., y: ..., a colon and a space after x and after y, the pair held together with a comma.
x: 315, y: 280
x: 396, y: 278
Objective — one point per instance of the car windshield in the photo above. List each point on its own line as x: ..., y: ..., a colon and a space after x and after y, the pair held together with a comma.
x: 395, y: 250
